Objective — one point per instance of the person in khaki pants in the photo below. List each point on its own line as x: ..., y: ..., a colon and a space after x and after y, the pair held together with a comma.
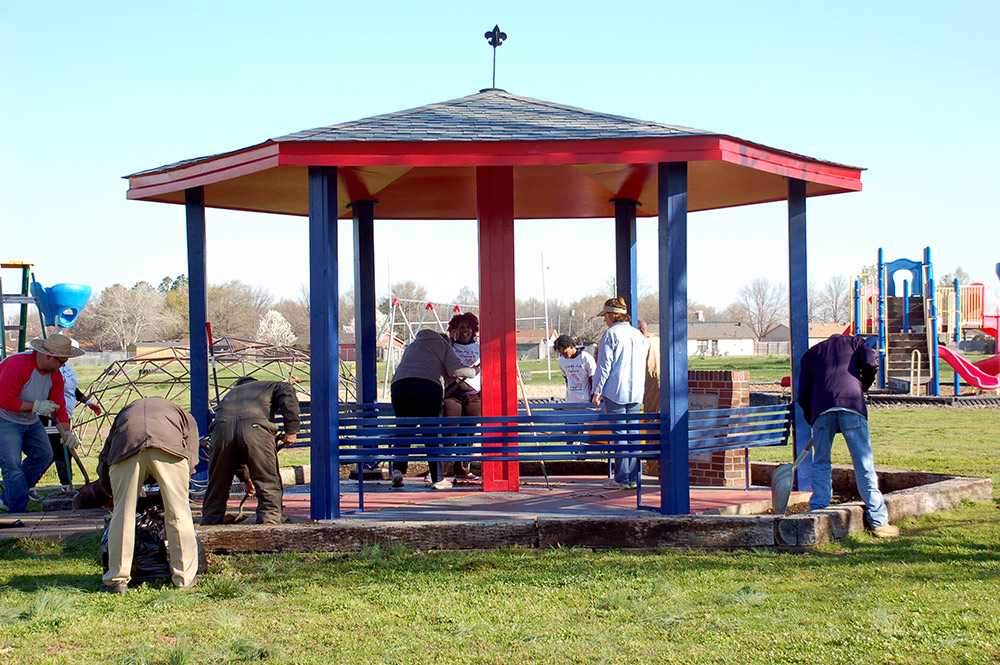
x: 150, y: 437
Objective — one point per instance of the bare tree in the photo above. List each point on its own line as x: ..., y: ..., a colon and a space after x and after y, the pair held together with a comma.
x: 948, y: 279
x: 408, y: 290
x: 235, y: 308
x: 466, y: 296
x: 834, y: 299
x: 126, y: 316
x: 766, y: 305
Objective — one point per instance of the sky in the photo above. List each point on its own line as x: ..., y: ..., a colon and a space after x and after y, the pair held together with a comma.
x: 97, y: 90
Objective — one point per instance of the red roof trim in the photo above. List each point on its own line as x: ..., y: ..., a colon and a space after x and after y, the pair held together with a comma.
x: 789, y: 165
x: 499, y: 153
x: 204, y: 171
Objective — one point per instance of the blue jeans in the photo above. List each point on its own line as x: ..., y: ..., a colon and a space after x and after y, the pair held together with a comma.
x: 854, y: 427
x: 18, y: 478
x: 626, y: 468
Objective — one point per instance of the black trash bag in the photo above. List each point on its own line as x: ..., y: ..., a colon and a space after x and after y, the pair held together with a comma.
x: 150, y: 556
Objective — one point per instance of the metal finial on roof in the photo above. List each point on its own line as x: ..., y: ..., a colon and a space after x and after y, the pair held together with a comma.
x: 495, y: 38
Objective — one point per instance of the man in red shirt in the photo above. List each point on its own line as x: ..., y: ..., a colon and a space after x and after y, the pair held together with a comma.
x: 31, y: 385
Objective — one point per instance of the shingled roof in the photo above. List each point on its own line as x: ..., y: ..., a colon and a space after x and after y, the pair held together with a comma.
x: 421, y: 164
x: 491, y: 115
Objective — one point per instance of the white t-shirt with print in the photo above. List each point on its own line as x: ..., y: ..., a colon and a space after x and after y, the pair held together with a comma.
x: 578, y: 370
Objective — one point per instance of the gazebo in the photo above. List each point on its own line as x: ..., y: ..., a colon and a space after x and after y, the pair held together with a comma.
x: 493, y: 157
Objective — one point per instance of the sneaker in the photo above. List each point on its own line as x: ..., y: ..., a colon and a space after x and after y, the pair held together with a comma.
x: 397, y: 480
x: 442, y: 485
x: 885, y: 531
x: 468, y: 478
x: 34, y: 495
x: 614, y: 485
x: 115, y: 587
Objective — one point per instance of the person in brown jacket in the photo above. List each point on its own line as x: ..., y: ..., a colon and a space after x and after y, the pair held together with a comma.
x: 242, y: 433
x: 651, y: 394
x: 150, y: 437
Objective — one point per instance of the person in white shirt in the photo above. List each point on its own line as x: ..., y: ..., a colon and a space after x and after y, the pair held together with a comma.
x: 462, y: 396
x: 578, y: 368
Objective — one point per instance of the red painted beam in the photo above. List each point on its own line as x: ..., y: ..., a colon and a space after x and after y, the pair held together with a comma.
x: 700, y: 148
x: 498, y: 351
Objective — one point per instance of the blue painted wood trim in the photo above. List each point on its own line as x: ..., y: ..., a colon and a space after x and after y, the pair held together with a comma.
x: 880, y: 309
x: 906, y: 306
x: 957, y: 329
x: 194, y: 206
x: 323, y: 343
x: 798, y: 318
x: 857, y: 307
x: 364, y: 301
x: 931, y: 296
x: 626, y: 279
x: 675, y: 487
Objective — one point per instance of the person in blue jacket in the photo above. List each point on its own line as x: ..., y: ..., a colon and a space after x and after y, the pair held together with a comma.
x: 620, y: 380
x: 835, y: 374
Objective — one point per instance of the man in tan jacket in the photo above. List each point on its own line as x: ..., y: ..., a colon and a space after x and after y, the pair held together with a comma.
x: 150, y: 437
x: 651, y: 395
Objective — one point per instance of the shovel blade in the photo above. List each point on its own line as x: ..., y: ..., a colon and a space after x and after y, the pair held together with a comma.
x: 781, y: 487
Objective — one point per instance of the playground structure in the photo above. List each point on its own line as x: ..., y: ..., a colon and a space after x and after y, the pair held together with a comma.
x: 387, y: 329
x: 912, y: 330
x: 166, y: 373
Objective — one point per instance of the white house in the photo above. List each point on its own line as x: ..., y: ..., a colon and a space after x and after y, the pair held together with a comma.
x: 719, y: 338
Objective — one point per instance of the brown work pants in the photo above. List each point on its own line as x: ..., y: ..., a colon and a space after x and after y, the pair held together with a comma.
x: 234, y: 443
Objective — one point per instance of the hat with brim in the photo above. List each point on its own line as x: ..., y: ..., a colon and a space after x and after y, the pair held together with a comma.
x: 57, y: 345
x: 611, y: 309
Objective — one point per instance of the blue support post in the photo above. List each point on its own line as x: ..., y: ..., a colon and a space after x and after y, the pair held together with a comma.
x: 672, y: 201
x: 957, y: 325
x: 798, y: 318
x: 324, y: 343
x: 194, y: 207
x: 906, y: 306
x: 625, y: 256
x: 881, y: 320
x: 857, y: 307
x: 364, y: 301
x: 931, y: 297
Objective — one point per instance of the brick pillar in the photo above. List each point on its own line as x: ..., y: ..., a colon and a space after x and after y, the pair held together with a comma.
x: 718, y: 390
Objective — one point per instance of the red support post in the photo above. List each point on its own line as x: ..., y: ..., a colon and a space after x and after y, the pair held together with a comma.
x: 498, y: 351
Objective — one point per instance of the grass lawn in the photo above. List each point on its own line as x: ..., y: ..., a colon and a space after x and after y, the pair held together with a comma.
x: 928, y: 597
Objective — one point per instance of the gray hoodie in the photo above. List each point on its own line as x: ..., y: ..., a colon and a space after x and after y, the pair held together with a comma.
x: 430, y: 356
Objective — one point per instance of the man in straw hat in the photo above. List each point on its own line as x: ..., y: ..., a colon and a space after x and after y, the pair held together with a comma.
x: 31, y: 385
x: 620, y: 380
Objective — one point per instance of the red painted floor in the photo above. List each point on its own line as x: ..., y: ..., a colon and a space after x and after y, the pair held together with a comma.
x: 564, y: 489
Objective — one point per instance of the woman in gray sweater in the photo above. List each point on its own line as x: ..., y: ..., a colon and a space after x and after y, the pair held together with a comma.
x: 417, y: 389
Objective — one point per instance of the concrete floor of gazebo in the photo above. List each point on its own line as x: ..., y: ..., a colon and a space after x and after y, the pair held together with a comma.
x: 564, y: 495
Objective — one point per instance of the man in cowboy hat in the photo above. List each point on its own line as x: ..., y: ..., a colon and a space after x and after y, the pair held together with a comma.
x: 31, y: 385
x: 620, y: 380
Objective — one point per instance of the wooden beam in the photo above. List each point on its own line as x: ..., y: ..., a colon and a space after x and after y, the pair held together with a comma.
x: 675, y: 488
x: 323, y: 343
x: 798, y: 318
x: 625, y: 256
x: 498, y: 351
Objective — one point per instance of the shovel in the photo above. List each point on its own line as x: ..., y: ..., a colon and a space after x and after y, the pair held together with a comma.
x: 781, y: 482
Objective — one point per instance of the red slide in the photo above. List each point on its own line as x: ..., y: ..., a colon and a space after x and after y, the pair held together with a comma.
x: 973, y: 374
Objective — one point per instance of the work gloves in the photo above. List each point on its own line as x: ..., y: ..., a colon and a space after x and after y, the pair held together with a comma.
x: 94, y: 406
x: 44, y: 407
x: 70, y: 440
